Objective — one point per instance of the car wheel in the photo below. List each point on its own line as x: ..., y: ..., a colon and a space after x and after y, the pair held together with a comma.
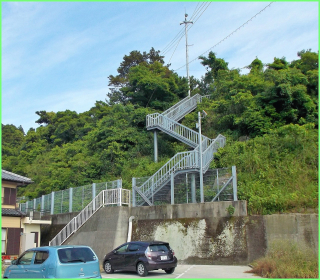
x: 141, y: 269
x: 169, y: 271
x: 107, y: 267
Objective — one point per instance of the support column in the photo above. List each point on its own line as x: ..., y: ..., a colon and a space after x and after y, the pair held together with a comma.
x: 93, y: 196
x: 70, y: 199
x: 234, y: 183
x: 193, y: 188
x: 42, y: 205
x: 172, y: 188
x: 200, y: 155
x: 133, y: 192
x: 155, y: 142
x: 52, y: 203
x: 119, y: 187
x: 218, y: 188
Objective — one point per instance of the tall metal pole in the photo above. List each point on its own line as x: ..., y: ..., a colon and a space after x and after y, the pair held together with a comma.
x: 185, y: 22
x: 200, y: 155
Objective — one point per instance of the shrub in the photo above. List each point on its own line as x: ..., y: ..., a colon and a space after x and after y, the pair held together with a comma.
x: 287, y: 259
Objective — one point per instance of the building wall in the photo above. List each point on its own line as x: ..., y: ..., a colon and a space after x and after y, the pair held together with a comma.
x: 10, y: 222
x: 28, y: 228
x: 199, y: 233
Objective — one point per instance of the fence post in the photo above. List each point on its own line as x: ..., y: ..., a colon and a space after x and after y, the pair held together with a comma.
x: 93, y: 196
x: 120, y: 197
x: 119, y: 187
x: 70, y: 199
x: 52, y: 203
x: 234, y: 182
x: 42, y: 205
x: 218, y: 188
x: 34, y: 204
x: 103, y: 197
x: 172, y: 188
x: 133, y: 192
x: 193, y: 188
x: 152, y: 191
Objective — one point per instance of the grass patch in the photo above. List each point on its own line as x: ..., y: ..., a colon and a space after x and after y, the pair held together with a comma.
x: 286, y: 259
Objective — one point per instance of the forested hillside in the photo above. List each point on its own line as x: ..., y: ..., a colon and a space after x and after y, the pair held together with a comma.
x: 269, y: 116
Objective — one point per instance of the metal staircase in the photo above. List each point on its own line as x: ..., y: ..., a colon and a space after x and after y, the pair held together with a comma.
x: 185, y: 161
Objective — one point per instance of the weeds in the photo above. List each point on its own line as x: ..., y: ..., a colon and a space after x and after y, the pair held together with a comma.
x: 287, y: 259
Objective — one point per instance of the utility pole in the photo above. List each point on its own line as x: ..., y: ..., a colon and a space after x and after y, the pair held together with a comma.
x: 200, y: 154
x: 185, y: 22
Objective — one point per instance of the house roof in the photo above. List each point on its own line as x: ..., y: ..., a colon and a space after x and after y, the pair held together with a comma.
x: 11, y: 212
x: 9, y: 176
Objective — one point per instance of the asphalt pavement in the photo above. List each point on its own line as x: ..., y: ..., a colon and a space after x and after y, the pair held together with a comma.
x: 191, y: 271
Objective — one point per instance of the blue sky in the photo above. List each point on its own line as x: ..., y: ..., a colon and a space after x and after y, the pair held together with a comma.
x: 58, y: 55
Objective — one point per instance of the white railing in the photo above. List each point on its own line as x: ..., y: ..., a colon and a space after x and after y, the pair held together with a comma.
x: 207, y: 155
x: 181, y: 161
x: 168, y: 122
x: 185, y: 106
x: 104, y: 198
x: 175, y: 129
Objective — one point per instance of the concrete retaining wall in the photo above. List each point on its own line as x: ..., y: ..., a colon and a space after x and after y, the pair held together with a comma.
x: 199, y: 233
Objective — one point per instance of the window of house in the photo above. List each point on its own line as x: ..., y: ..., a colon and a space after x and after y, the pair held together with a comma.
x: 10, y: 196
x: 3, y: 240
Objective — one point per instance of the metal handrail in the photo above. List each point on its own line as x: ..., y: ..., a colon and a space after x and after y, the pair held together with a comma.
x: 117, y: 196
x: 185, y: 106
x: 168, y: 122
x: 176, y: 129
x: 184, y: 160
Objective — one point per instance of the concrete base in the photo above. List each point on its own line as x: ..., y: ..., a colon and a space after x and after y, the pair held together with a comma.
x: 199, y: 233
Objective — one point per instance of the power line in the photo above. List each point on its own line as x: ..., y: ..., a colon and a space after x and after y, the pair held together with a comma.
x: 228, y: 35
x: 202, y: 8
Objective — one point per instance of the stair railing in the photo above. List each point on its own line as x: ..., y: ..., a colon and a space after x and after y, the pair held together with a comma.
x: 181, y: 161
x: 208, y: 153
x: 175, y: 129
x: 185, y: 106
x: 117, y: 196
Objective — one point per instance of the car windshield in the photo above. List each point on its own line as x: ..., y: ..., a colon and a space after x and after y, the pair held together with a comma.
x: 159, y: 248
x: 69, y: 255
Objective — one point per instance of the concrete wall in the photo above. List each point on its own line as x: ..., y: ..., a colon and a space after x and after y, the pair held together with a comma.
x: 199, y: 233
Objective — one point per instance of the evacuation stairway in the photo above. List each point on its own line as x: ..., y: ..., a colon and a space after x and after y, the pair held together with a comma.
x: 189, y: 161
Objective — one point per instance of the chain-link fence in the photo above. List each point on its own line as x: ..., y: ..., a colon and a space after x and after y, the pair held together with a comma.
x: 218, y: 185
x: 69, y: 200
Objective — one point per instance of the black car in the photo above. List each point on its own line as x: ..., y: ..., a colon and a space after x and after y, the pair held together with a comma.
x: 141, y: 256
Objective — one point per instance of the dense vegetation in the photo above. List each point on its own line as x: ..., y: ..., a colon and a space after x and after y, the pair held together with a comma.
x: 274, y: 108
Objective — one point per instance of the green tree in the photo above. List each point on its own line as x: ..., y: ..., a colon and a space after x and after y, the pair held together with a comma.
x: 121, y: 80
x: 213, y: 66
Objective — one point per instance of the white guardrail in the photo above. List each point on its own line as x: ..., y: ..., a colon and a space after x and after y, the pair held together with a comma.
x: 117, y: 196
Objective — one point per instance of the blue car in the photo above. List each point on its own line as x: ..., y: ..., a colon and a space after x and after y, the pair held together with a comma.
x: 65, y: 261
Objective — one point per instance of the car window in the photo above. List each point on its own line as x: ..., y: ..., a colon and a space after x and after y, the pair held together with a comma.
x: 159, y: 248
x: 122, y: 249
x: 26, y: 258
x: 40, y: 257
x: 81, y: 254
x: 134, y: 247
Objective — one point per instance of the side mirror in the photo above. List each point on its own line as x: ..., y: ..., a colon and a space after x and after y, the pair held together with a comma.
x: 115, y: 251
x: 14, y: 262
